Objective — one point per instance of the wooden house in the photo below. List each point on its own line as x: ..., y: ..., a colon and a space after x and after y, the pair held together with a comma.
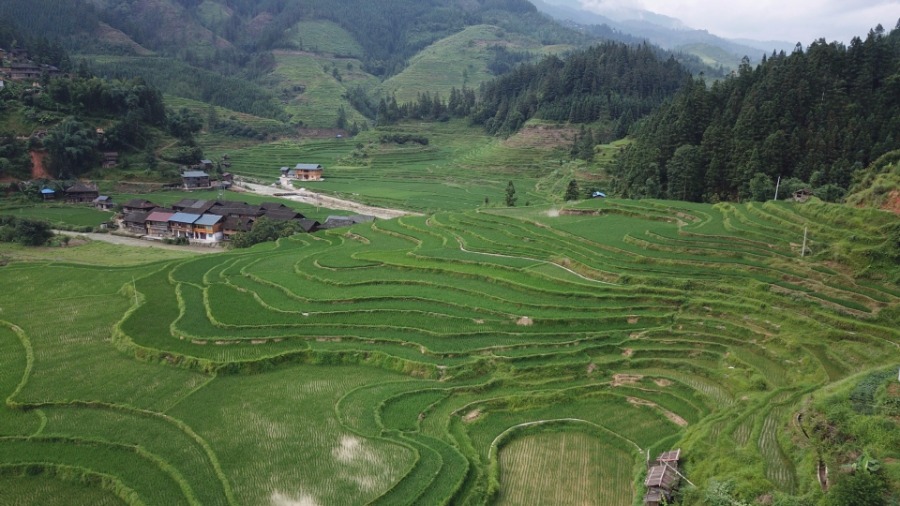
x: 158, y: 223
x: 307, y: 172
x: 234, y: 224
x: 136, y: 222
x: 110, y: 158
x: 346, y: 221
x: 193, y: 179
x: 309, y: 225
x: 104, y: 202
x: 82, y: 192
x: 208, y: 228
x: 662, y: 479
x: 134, y: 205
x: 182, y: 224
x: 194, y: 206
x: 802, y: 195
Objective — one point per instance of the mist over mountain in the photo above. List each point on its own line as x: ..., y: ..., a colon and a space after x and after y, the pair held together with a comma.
x: 664, y: 31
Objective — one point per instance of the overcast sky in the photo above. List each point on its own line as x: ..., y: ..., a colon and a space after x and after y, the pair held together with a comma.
x: 791, y: 21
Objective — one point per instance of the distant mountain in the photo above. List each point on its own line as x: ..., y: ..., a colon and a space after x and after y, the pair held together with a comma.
x: 664, y: 31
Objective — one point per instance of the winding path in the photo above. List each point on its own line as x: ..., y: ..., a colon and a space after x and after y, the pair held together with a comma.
x: 318, y: 199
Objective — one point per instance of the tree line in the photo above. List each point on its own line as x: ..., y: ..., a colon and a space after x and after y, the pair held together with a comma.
x: 611, y: 83
x: 814, y: 117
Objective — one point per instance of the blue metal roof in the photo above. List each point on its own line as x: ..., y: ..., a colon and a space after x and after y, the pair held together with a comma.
x: 208, y: 219
x: 184, y: 218
x: 47, y: 191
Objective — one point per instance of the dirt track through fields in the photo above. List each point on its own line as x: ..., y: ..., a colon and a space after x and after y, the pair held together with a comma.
x: 317, y: 199
x: 142, y: 243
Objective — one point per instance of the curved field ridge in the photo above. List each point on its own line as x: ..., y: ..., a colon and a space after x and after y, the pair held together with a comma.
x: 494, y: 355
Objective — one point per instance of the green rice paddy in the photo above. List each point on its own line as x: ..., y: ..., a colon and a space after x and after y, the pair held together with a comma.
x: 449, y: 358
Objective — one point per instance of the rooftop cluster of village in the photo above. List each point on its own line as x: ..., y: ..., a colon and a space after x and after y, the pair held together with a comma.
x: 16, y: 65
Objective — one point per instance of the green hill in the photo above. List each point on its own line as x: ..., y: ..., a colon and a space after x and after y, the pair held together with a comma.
x: 456, y: 61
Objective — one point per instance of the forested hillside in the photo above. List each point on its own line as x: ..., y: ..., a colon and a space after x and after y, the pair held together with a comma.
x: 814, y: 118
x: 611, y: 83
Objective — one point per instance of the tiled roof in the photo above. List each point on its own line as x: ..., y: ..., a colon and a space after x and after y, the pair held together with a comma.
x: 159, y: 216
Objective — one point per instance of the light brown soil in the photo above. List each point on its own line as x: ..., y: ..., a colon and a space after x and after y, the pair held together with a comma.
x: 542, y: 136
x: 627, y: 352
x: 633, y: 319
x: 38, y: 170
x: 525, y: 321
x: 471, y: 416
x: 677, y: 420
x: 662, y: 382
x: 626, y: 379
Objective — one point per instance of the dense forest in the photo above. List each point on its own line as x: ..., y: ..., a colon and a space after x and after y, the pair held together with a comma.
x: 813, y: 118
x: 389, y: 31
x: 612, y: 83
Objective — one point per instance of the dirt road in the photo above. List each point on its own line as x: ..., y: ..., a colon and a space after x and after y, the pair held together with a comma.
x: 133, y: 241
x: 317, y: 199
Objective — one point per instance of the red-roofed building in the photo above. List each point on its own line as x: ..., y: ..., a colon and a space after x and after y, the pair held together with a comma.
x: 158, y: 223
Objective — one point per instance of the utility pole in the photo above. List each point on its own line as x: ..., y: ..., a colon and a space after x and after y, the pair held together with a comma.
x: 777, y: 184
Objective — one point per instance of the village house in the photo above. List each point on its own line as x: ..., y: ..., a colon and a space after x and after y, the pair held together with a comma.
x: 346, y: 221
x: 206, y: 220
x: 157, y: 223
x: 304, y: 172
x: 134, y: 205
x: 104, y: 203
x: 662, y: 479
x: 110, y: 159
x: 236, y: 224
x: 193, y: 179
x: 193, y: 206
x: 82, y: 193
x: 135, y: 222
x: 802, y: 195
x: 182, y: 224
x: 208, y: 228
x: 48, y: 194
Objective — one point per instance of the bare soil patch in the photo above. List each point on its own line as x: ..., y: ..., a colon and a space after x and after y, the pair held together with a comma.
x: 38, y: 169
x: 542, y: 136
x: 662, y: 382
x: 677, y: 420
x: 626, y: 379
x: 525, y: 321
x: 471, y: 416
x: 627, y: 352
x: 633, y: 319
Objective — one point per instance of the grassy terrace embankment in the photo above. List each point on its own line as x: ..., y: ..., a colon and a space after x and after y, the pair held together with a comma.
x: 449, y: 358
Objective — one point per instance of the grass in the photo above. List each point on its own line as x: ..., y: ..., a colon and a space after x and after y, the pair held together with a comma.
x: 565, y: 468
x: 72, y: 215
x: 467, y: 355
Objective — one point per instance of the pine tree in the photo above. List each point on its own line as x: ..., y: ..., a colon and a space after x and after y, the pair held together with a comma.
x: 572, y: 192
x: 510, y: 195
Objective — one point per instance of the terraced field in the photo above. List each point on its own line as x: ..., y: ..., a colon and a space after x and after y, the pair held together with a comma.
x: 446, y: 359
x: 460, y: 168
